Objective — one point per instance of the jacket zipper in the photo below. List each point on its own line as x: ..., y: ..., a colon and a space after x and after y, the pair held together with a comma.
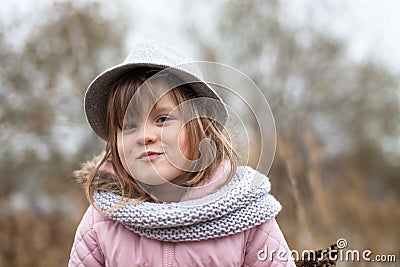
x: 168, y: 251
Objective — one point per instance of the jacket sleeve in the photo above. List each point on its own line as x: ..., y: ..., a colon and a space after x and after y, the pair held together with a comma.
x: 85, y: 249
x: 266, y: 246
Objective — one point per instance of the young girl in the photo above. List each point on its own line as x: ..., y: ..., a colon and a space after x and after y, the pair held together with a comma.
x: 168, y: 191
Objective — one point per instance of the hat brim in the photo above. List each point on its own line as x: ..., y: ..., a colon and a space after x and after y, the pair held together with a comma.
x: 97, y: 94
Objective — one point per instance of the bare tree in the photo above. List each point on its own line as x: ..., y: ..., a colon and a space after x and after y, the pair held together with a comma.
x: 336, y: 119
x: 43, y: 135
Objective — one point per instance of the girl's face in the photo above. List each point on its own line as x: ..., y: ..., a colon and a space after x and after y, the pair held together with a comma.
x: 152, y: 149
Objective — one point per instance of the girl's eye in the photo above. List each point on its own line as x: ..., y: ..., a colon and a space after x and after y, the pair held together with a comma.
x: 163, y: 119
x: 129, y: 126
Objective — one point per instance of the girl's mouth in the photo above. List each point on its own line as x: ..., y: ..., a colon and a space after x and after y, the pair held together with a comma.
x: 149, y: 155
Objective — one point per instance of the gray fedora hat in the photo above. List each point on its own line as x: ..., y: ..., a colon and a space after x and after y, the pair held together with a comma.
x: 148, y: 54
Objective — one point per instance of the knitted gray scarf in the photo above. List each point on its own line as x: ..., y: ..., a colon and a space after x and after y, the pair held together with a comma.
x: 239, y: 205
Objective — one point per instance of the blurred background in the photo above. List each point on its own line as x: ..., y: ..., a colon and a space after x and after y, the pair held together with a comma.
x: 329, y: 69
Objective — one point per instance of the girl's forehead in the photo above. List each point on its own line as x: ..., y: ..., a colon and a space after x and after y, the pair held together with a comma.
x: 166, y: 99
x: 156, y: 89
x: 165, y: 103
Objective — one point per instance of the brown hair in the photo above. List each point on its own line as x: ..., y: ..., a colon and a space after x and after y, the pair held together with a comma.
x: 199, y: 128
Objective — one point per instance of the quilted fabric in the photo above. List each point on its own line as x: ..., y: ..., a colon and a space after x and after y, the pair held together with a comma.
x: 101, y: 241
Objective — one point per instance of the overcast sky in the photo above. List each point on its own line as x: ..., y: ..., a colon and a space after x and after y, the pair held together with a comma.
x: 372, y: 28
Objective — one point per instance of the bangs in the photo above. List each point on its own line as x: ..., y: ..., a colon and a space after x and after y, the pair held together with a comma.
x: 136, y: 103
x: 136, y: 93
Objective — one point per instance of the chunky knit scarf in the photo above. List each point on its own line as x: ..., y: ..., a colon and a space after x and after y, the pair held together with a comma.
x: 239, y: 205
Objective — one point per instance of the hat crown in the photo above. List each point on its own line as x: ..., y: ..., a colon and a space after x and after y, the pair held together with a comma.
x: 153, y: 55
x: 152, y: 52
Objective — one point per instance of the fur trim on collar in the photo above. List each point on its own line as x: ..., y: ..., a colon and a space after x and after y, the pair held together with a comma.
x: 104, y: 179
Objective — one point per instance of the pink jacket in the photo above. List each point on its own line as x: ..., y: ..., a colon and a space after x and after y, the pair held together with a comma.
x: 100, y: 241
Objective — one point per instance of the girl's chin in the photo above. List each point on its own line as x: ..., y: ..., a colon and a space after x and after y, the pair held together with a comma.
x: 153, y: 182
x: 150, y: 175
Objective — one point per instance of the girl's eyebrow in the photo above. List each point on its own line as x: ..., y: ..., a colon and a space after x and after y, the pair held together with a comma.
x: 164, y: 108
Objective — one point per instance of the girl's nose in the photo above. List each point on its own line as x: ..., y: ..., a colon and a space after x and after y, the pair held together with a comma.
x: 147, y: 135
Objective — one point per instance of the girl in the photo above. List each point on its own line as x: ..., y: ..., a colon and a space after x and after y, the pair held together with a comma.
x: 168, y: 191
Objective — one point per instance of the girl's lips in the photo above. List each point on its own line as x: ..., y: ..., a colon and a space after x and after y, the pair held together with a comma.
x: 149, y: 155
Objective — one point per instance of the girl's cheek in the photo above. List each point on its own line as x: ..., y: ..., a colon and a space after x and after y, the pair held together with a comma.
x: 123, y: 159
x: 182, y: 143
x: 121, y: 154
